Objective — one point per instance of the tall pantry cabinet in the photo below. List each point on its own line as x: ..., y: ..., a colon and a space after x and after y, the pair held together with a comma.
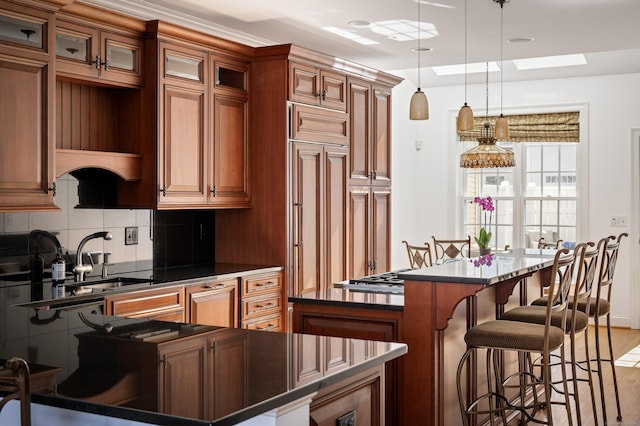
x: 303, y: 155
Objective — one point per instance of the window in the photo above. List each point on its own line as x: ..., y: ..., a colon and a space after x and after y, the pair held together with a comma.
x: 538, y: 198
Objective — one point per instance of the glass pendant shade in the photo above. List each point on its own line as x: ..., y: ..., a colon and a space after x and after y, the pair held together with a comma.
x: 465, y: 118
x: 487, y: 154
x: 501, y: 131
x: 419, y: 107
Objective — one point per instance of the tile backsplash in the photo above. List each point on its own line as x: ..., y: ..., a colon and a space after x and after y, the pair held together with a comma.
x: 70, y: 225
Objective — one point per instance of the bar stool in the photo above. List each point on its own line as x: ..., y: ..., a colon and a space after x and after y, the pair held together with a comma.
x: 587, y: 257
x: 16, y: 379
x: 451, y: 249
x: 500, y: 335
x: 419, y: 256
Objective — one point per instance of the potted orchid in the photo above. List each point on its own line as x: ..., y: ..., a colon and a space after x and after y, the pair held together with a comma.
x: 484, y: 238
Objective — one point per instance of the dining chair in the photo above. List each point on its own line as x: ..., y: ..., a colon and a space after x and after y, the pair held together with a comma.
x: 499, y: 336
x: 419, y: 255
x: 544, y: 245
x: 451, y: 249
x: 587, y: 258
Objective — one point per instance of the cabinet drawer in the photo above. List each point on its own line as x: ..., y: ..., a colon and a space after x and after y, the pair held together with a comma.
x: 259, y: 306
x: 273, y: 323
x: 258, y: 284
x: 319, y: 125
x: 148, y: 304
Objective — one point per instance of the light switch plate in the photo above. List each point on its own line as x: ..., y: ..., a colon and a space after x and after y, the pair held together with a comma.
x: 130, y: 235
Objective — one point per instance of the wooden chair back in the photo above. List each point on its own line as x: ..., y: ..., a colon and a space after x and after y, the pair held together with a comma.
x: 419, y: 255
x: 544, y: 245
x: 451, y: 249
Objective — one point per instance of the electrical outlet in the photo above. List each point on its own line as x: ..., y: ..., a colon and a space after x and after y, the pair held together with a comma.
x: 618, y: 221
x: 131, y: 235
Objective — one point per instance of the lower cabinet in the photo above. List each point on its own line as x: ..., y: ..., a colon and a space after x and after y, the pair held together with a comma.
x: 213, y: 303
x: 356, y: 401
x: 261, y: 305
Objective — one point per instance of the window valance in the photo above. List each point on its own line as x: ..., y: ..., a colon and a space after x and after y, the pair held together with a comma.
x: 549, y: 127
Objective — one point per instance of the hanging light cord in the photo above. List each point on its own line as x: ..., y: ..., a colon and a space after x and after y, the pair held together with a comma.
x: 501, y: 47
x: 486, y: 113
x: 465, y: 50
x: 419, y: 35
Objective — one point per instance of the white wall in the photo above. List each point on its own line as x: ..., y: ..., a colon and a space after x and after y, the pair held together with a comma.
x: 424, y: 184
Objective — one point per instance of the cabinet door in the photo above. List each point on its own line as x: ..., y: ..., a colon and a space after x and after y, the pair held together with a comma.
x: 163, y: 303
x: 27, y: 172
x: 182, y: 151
x: 380, y: 228
x: 308, y: 274
x: 121, y: 58
x: 182, y: 379
x: 213, y: 303
x: 360, y: 127
x: 336, y: 176
x: 231, y: 151
x: 333, y: 90
x: 381, y: 138
x: 359, y: 235
x: 229, y: 376
x: 303, y: 83
x: 77, y: 47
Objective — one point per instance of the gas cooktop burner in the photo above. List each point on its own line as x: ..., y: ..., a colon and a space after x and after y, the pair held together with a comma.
x: 387, y: 282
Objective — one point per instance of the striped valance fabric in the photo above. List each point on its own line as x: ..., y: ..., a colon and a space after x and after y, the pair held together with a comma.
x: 550, y: 127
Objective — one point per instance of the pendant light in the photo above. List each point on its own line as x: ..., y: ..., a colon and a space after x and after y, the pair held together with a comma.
x: 487, y: 154
x: 465, y: 115
x: 419, y: 107
x: 502, y: 125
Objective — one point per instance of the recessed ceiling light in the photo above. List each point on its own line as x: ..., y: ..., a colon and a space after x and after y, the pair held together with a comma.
x: 359, y: 23
x: 550, y: 62
x: 521, y: 40
x: 457, y: 69
x: 422, y: 49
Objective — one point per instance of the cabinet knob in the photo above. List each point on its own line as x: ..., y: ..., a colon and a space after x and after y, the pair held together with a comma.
x: 52, y: 189
x: 163, y: 190
x: 214, y: 191
x: 98, y: 63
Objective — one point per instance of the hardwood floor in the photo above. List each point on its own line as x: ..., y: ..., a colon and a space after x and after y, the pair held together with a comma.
x: 626, y: 347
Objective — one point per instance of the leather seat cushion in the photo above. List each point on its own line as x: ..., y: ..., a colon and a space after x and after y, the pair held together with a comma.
x: 513, y: 335
x: 538, y: 315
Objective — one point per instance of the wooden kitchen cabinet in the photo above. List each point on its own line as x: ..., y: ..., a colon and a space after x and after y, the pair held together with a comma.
x: 163, y: 304
x: 183, y: 378
x: 213, y: 303
x: 87, y: 51
x: 228, y: 387
x: 202, y: 136
x: 320, y: 211
x: 262, y: 304
x: 27, y: 85
x: 370, y: 126
x: 314, y: 85
x: 369, y: 230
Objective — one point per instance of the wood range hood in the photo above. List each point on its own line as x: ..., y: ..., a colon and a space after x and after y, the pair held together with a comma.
x: 126, y: 166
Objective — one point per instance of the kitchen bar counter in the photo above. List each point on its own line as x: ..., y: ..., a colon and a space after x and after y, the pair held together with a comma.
x: 126, y: 369
x: 430, y: 319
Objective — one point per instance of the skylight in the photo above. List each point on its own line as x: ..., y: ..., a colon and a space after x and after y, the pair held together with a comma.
x: 350, y: 35
x: 404, y: 30
x: 458, y: 69
x: 550, y: 62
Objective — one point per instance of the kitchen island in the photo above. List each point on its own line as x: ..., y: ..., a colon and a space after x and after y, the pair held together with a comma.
x: 156, y: 372
x: 431, y: 319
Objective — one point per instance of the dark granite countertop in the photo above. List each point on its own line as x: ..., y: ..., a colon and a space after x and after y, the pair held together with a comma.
x: 89, y: 361
x: 357, y: 299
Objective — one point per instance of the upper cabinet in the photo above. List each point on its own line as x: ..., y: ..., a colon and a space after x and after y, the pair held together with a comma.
x: 198, y: 99
x: 27, y: 85
x: 370, y: 125
x: 86, y: 51
x: 317, y: 86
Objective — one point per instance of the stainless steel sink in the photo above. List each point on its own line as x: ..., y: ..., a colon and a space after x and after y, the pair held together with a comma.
x: 104, y: 285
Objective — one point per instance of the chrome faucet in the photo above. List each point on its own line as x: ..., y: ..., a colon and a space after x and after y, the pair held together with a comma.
x: 80, y: 270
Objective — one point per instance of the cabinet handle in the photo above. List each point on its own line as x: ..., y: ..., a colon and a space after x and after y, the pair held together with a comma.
x: 322, y: 95
x: 214, y: 191
x: 268, y: 305
x: 53, y: 189
x: 267, y: 284
x: 268, y: 327
x: 220, y: 285
x: 163, y: 190
x: 163, y: 361
x: 299, y: 225
x: 98, y: 64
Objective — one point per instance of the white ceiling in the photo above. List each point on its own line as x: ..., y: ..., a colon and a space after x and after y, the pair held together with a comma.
x: 606, y: 31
